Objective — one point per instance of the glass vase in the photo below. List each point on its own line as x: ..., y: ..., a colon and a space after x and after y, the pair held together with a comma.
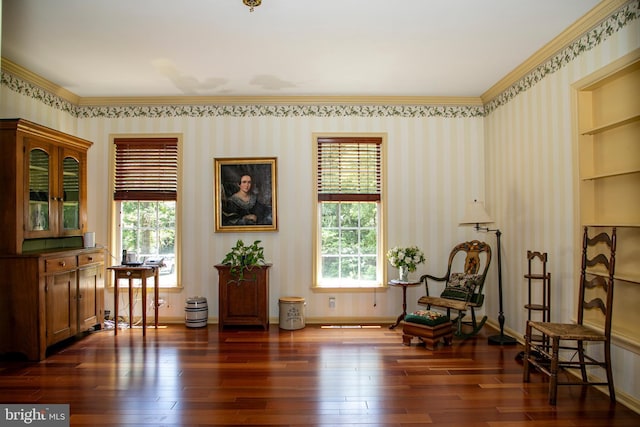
x: 403, y: 274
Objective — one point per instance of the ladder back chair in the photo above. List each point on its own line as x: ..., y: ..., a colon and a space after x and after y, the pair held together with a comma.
x: 596, y: 294
x: 463, y: 290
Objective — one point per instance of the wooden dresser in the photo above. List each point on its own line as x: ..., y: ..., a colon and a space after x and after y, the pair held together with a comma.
x: 52, y: 287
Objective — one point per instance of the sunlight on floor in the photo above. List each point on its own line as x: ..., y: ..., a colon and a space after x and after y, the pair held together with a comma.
x: 350, y: 327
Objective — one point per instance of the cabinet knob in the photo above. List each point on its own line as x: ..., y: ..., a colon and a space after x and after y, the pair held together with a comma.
x: 62, y: 263
x: 90, y: 258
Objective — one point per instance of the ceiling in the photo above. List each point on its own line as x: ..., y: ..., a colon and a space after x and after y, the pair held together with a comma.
x: 139, y: 48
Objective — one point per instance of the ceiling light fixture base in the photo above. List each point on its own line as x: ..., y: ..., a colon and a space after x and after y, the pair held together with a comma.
x: 252, y: 4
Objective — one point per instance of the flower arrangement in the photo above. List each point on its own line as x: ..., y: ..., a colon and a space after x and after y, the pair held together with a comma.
x: 406, y: 257
x: 244, y: 257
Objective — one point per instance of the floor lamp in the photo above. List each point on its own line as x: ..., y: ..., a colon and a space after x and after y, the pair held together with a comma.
x: 476, y: 215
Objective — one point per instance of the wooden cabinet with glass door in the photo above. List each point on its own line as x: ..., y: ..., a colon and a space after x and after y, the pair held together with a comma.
x: 52, y: 286
x: 44, y: 174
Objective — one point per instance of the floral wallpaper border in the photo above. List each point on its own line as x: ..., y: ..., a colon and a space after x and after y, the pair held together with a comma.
x: 618, y: 20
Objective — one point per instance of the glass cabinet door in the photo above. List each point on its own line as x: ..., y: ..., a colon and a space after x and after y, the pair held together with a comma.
x: 39, y: 191
x: 71, y: 194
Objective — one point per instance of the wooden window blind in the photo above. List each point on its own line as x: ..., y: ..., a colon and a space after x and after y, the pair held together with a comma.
x: 349, y: 169
x: 146, y: 169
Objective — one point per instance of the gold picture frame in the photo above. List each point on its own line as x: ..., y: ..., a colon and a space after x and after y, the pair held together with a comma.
x: 245, y: 194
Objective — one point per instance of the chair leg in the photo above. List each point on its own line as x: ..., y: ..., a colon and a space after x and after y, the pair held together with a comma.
x: 458, y: 321
x: 583, y: 368
x: 553, y: 371
x: 527, y: 351
x: 607, y: 359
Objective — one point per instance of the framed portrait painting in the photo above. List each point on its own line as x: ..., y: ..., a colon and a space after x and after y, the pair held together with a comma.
x: 245, y: 194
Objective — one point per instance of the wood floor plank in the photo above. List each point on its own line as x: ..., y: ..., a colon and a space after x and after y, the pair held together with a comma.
x: 315, y: 376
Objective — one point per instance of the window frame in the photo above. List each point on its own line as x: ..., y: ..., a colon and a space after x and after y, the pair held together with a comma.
x: 381, y: 264
x: 114, y: 241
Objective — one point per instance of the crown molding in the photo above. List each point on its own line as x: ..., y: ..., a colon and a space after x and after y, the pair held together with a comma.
x: 36, y: 80
x: 279, y: 100
x: 591, y: 19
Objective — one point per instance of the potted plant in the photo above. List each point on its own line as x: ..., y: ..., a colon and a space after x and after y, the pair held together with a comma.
x: 243, y: 258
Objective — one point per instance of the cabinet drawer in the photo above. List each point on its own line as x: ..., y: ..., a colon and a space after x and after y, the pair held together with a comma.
x: 90, y: 258
x: 60, y: 264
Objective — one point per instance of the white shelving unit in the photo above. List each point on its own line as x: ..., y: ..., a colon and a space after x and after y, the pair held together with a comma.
x: 609, y: 178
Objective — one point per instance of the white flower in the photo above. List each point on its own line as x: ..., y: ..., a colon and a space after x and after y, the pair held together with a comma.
x: 408, y: 257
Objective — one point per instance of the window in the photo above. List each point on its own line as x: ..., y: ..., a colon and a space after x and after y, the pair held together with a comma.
x: 145, y: 196
x: 349, y: 234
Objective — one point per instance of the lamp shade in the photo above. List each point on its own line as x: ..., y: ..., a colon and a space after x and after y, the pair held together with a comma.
x: 476, y: 214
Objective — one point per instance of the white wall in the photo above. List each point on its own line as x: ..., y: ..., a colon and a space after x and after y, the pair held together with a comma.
x: 430, y: 163
x: 530, y: 186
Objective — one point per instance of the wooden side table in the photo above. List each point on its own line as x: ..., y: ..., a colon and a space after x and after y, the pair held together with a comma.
x: 404, y: 286
x: 141, y: 272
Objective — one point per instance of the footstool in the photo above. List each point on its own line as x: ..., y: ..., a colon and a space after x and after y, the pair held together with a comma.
x: 429, y: 326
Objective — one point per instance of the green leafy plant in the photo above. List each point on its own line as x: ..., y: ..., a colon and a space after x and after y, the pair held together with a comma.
x: 243, y: 258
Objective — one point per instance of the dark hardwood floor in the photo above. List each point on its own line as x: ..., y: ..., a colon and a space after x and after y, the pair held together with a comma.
x: 309, y: 377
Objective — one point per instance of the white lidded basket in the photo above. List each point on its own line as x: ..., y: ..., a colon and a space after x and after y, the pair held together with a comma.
x: 291, y: 313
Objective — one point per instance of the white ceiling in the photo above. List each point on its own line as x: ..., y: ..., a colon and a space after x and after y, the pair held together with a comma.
x: 97, y: 48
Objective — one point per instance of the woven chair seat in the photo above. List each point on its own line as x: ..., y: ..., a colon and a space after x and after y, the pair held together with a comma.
x: 568, y: 331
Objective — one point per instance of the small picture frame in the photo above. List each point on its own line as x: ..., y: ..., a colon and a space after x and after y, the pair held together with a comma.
x: 245, y: 194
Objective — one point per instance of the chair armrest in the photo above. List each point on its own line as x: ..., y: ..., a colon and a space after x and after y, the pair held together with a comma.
x: 424, y: 278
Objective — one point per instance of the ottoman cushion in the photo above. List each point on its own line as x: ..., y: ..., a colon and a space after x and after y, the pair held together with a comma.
x: 426, y: 317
